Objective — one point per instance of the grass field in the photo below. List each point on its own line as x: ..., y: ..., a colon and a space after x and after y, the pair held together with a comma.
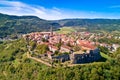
x: 66, y: 30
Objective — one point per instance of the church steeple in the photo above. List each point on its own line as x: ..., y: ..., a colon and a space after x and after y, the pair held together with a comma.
x: 51, y: 30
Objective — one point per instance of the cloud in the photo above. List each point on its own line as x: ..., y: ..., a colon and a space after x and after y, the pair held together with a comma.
x: 20, y: 8
x: 115, y: 6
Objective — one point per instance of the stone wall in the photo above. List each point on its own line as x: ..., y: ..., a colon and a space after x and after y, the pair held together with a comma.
x: 62, y: 58
x: 94, y: 55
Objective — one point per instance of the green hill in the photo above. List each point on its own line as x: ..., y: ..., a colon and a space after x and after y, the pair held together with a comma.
x: 92, y: 24
x: 14, y: 65
x: 23, y: 24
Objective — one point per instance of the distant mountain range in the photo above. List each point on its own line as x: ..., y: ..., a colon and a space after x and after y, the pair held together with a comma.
x: 25, y: 24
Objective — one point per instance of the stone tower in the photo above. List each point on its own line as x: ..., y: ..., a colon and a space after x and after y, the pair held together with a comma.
x: 51, y: 31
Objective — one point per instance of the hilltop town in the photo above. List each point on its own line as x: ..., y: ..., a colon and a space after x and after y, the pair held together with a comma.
x: 75, y: 47
x: 59, y: 40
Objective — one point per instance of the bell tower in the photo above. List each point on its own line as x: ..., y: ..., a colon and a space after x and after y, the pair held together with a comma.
x: 51, y: 31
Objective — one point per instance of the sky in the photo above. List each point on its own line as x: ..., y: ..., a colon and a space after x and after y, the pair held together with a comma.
x: 62, y: 9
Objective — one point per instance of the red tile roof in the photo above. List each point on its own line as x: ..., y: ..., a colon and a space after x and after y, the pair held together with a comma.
x: 67, y: 47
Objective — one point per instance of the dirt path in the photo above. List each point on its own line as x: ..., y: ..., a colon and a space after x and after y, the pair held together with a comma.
x: 39, y: 60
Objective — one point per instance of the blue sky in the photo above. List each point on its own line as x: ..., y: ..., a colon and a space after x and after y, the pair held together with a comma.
x: 61, y: 9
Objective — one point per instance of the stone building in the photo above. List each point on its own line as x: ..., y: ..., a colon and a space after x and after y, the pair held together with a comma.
x: 61, y: 58
x: 93, y: 55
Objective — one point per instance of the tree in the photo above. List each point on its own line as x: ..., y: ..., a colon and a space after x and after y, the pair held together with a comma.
x: 58, y: 45
x: 103, y: 49
x: 42, y: 48
x: 33, y: 45
x: 76, y: 48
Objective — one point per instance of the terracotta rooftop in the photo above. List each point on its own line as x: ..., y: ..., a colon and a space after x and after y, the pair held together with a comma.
x: 67, y: 47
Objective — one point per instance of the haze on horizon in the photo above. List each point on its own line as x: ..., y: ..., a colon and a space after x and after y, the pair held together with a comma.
x: 62, y: 9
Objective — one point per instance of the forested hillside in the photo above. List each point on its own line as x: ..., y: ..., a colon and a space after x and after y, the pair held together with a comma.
x: 23, y: 24
x: 92, y: 24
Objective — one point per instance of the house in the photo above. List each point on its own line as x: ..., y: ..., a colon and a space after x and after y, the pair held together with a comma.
x: 115, y: 46
x: 65, y: 48
x: 53, y: 48
x: 50, y: 54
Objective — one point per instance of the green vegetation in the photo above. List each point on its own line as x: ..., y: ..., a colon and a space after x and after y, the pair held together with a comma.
x: 11, y: 50
x: 105, y: 56
x: 1, y: 42
x: 66, y: 30
x: 14, y: 65
x: 109, y: 41
x: 93, y: 24
x: 104, y: 49
x: 38, y: 48
x: 41, y: 49
x: 12, y: 25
